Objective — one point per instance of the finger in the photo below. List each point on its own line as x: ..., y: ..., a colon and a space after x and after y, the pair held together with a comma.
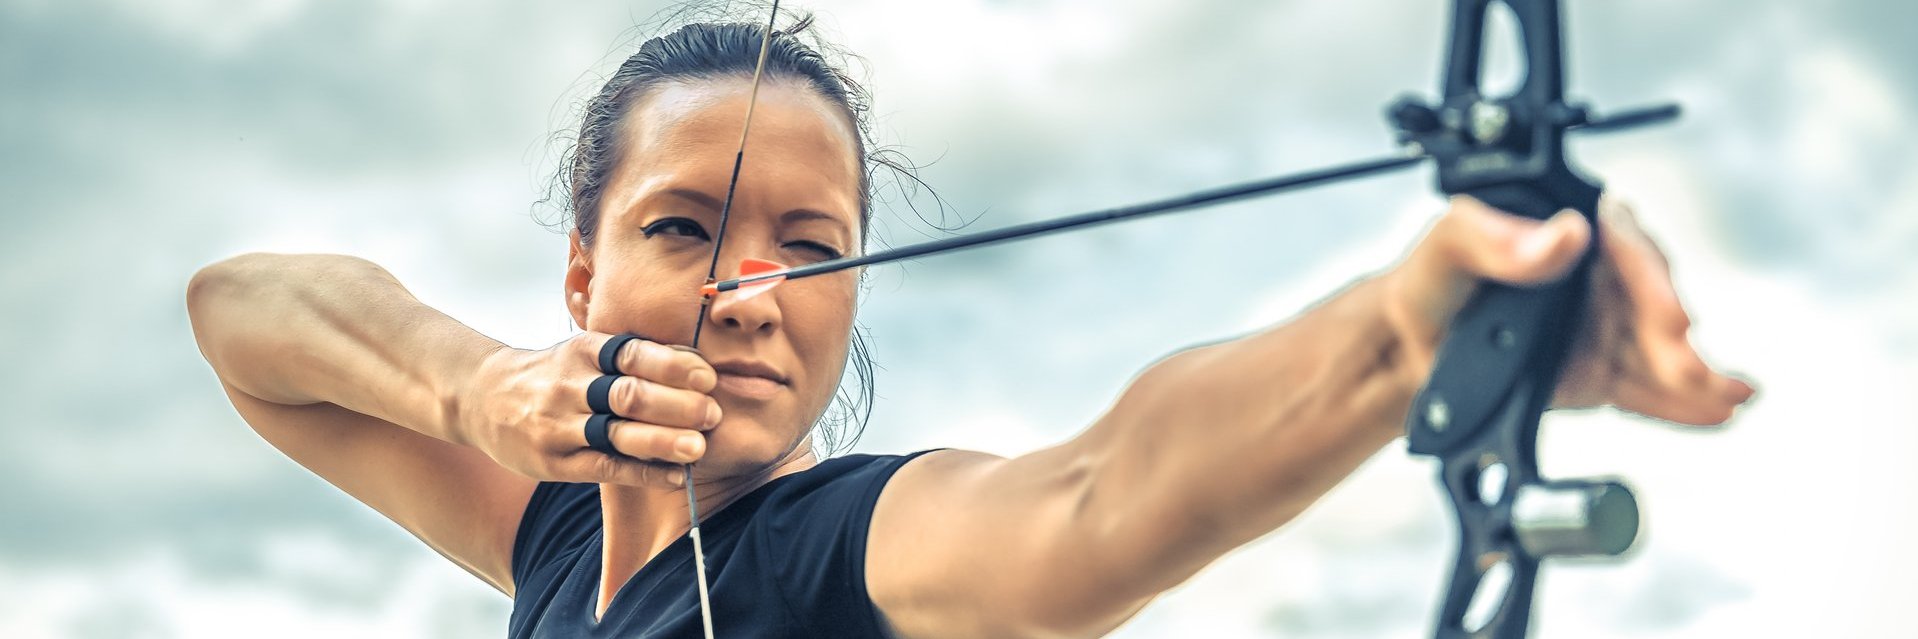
x: 588, y: 466
x: 1661, y: 324
x: 1476, y: 240
x: 655, y: 442
x: 1710, y: 404
x: 648, y: 401
x: 681, y: 367
x: 1646, y: 276
x: 646, y: 442
x: 1625, y: 220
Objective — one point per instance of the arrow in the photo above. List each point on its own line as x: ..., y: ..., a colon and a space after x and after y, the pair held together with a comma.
x: 757, y: 276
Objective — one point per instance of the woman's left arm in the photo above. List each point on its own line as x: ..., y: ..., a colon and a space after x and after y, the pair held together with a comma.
x: 1216, y: 446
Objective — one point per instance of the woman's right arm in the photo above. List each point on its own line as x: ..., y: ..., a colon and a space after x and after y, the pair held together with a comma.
x: 443, y: 430
x: 335, y: 364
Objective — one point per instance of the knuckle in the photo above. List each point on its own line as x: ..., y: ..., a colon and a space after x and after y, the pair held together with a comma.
x: 552, y: 391
x: 635, y: 474
x: 690, y: 363
x: 637, y: 396
x: 640, y: 442
x: 637, y: 354
x: 605, y: 467
x: 586, y: 345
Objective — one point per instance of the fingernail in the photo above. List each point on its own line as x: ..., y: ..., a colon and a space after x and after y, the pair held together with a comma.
x: 676, y: 476
x: 688, y: 445
x: 712, y: 415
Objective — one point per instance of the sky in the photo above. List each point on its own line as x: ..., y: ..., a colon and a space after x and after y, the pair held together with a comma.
x: 142, y: 140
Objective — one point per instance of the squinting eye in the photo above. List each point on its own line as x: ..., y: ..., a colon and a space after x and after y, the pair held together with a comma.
x: 826, y: 251
x: 675, y: 226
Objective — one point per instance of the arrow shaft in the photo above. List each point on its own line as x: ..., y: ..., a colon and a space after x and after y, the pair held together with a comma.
x: 1207, y: 197
x: 1218, y: 195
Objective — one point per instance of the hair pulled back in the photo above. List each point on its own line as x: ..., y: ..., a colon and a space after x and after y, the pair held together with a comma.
x: 714, y: 50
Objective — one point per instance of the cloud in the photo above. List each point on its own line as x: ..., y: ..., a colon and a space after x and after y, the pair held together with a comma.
x: 141, y: 140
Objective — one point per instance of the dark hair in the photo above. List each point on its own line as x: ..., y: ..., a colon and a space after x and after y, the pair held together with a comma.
x: 714, y: 50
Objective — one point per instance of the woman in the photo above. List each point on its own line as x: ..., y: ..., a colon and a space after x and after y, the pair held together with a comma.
x: 481, y: 451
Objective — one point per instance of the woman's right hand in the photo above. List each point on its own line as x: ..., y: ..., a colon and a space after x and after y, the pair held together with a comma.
x: 527, y: 410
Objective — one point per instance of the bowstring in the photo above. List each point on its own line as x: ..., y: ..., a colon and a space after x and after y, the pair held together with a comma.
x: 705, y: 305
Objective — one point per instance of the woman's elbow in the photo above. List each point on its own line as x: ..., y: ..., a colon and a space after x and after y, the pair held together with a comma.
x: 213, y: 296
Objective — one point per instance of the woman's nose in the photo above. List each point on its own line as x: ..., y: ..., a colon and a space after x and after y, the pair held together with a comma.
x: 751, y: 309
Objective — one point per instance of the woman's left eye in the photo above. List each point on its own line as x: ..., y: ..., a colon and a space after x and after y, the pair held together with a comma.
x: 825, y: 251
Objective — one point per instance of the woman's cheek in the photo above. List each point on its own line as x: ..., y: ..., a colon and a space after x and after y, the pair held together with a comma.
x: 824, y: 346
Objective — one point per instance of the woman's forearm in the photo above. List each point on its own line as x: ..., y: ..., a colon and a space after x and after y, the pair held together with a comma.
x: 304, y: 329
x: 1230, y: 441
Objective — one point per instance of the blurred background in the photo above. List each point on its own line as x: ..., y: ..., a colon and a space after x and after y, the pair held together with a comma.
x: 141, y: 140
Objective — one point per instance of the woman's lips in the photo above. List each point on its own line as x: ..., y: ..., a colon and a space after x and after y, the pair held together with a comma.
x: 748, y: 386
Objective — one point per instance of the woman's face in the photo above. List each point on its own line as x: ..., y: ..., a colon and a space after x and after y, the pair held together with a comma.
x: 779, y: 355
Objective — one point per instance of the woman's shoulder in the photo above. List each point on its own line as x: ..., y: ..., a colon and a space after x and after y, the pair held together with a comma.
x: 847, y: 485
x: 844, y: 470
x: 806, y: 536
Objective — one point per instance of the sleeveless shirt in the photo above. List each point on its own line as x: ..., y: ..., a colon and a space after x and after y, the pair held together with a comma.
x: 785, y: 560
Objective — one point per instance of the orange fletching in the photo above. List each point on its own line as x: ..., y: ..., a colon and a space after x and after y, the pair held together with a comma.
x: 752, y: 267
x: 749, y: 267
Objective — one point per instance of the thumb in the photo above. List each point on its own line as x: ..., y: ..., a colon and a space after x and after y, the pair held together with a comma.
x: 1474, y: 242
x: 1484, y: 242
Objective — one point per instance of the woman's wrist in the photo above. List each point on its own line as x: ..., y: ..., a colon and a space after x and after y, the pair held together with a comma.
x: 1405, y: 355
x: 1415, y: 335
x: 460, y: 383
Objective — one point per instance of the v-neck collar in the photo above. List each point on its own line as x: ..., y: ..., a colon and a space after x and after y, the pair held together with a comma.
x: 717, y: 528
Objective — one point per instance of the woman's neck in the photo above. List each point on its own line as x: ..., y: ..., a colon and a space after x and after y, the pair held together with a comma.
x: 640, y: 522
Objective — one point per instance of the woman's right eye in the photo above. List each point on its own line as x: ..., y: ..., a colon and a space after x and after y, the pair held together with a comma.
x: 675, y: 226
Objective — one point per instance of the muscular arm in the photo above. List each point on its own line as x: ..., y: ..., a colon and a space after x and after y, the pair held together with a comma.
x: 1205, y: 451
x: 1216, y: 446
x: 333, y: 362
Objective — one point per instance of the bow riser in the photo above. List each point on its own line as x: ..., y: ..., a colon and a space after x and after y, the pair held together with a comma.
x: 1495, y: 373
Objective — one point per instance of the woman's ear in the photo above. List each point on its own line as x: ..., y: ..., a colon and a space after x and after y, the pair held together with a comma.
x: 579, y: 279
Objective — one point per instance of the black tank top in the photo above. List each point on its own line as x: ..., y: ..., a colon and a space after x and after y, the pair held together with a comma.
x: 786, y: 560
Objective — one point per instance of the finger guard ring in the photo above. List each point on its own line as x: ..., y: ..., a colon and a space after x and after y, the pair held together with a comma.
x: 609, y: 352
x: 599, y: 433
x: 599, y: 394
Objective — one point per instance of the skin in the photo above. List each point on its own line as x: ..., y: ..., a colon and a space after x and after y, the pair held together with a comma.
x: 796, y: 202
x: 446, y: 431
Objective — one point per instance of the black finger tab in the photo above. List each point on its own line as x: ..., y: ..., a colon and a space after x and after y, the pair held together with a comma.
x: 609, y: 353
x: 599, y: 433
x: 599, y: 394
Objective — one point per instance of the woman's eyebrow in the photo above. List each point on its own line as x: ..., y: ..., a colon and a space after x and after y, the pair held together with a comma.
x: 837, y: 223
x: 801, y: 215
x: 697, y: 197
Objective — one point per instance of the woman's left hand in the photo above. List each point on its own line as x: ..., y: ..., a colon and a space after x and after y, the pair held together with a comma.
x: 1632, y: 349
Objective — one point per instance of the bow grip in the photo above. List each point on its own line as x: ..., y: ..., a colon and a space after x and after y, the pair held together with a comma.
x: 1504, y: 332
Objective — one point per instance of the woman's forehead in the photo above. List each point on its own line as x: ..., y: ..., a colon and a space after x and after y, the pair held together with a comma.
x: 685, y: 135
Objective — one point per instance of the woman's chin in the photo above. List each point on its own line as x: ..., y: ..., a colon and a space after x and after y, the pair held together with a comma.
x: 741, y: 448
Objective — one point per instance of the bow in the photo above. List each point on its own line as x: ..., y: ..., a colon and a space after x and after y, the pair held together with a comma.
x: 1495, y: 373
